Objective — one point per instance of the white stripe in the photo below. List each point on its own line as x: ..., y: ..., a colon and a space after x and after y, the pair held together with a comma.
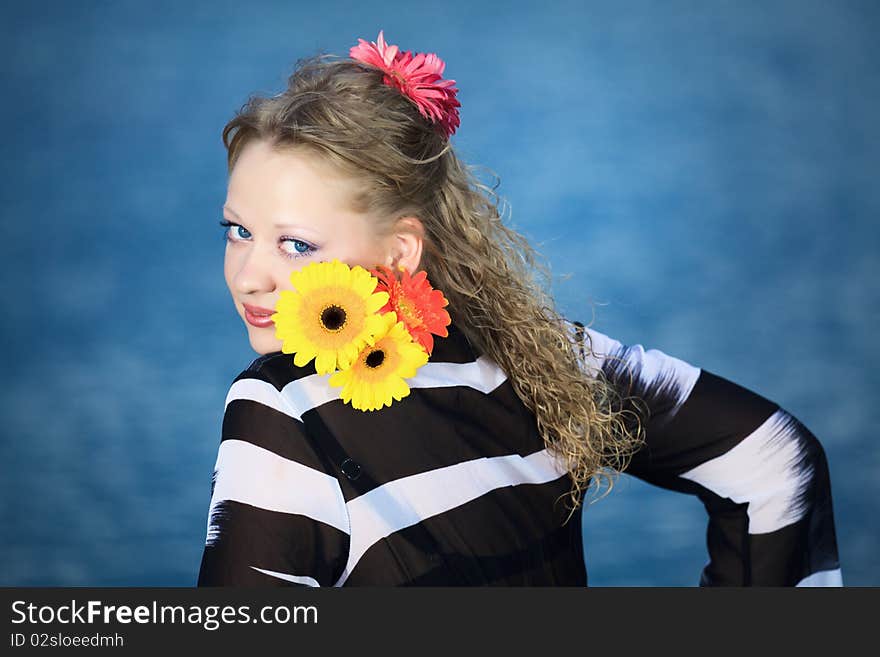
x: 409, y: 500
x: 307, y: 393
x: 823, y: 578
x: 760, y: 471
x: 655, y: 367
x: 596, y: 346
x: 314, y: 390
x: 258, y: 391
x: 299, y: 579
x: 483, y: 375
x: 255, y: 476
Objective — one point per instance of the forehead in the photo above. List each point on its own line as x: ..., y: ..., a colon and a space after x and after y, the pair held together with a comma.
x: 269, y: 183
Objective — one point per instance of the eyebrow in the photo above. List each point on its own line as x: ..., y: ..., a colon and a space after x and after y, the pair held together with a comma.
x: 235, y: 214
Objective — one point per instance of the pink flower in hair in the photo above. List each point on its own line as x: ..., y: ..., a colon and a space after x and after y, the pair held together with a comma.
x: 418, y: 76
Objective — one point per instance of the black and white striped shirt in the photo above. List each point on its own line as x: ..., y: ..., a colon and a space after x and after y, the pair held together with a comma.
x: 453, y: 484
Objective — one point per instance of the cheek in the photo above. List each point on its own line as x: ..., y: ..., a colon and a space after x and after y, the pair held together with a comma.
x: 370, y: 252
x: 282, y: 267
x: 228, y: 268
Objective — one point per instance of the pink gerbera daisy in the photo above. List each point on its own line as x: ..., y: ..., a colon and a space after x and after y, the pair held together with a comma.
x: 418, y: 76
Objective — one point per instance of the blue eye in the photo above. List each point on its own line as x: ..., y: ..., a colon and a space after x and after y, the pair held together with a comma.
x: 234, y: 232
x: 300, y: 248
x: 238, y: 233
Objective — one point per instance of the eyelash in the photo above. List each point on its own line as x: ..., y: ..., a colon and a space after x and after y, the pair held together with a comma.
x: 287, y: 254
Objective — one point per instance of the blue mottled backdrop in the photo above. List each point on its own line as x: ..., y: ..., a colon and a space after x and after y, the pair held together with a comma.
x: 707, y: 172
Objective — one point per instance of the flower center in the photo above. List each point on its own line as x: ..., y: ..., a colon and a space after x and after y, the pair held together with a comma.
x: 375, y: 358
x: 333, y: 318
x: 410, y: 312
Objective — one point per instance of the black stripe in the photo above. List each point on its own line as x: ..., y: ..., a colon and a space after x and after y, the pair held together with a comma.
x: 510, y: 536
x: 270, y: 429
x: 777, y: 558
x: 780, y: 558
x: 717, y: 416
x: 406, y: 439
x: 283, y: 542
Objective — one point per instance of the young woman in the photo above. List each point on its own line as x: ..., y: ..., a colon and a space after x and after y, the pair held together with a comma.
x: 473, y: 476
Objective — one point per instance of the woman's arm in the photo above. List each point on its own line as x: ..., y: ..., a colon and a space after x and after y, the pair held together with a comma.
x: 760, y: 473
x: 276, y: 518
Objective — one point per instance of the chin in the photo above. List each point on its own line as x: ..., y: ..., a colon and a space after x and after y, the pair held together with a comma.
x: 265, y: 343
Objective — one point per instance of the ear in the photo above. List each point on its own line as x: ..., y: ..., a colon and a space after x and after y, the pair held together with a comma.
x: 407, y: 240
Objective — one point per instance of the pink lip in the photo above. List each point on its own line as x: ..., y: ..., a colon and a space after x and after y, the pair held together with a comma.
x: 258, y: 316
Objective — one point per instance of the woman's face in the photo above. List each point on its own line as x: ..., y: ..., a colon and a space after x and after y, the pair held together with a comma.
x: 287, y: 210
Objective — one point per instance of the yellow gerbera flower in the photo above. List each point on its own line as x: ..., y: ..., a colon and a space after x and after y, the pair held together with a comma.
x: 330, y: 316
x: 377, y: 376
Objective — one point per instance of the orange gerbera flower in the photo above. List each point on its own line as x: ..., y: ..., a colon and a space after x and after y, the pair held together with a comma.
x: 418, y: 305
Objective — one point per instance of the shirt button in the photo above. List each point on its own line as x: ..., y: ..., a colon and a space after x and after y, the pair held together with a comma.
x: 351, y: 469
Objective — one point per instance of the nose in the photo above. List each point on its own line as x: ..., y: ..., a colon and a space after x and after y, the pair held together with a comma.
x: 254, y: 275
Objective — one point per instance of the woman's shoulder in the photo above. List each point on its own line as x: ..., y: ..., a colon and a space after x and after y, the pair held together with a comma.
x: 274, y: 367
x: 262, y: 391
x: 262, y: 420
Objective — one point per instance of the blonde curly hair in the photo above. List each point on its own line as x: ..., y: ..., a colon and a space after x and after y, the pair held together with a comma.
x: 342, y: 111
